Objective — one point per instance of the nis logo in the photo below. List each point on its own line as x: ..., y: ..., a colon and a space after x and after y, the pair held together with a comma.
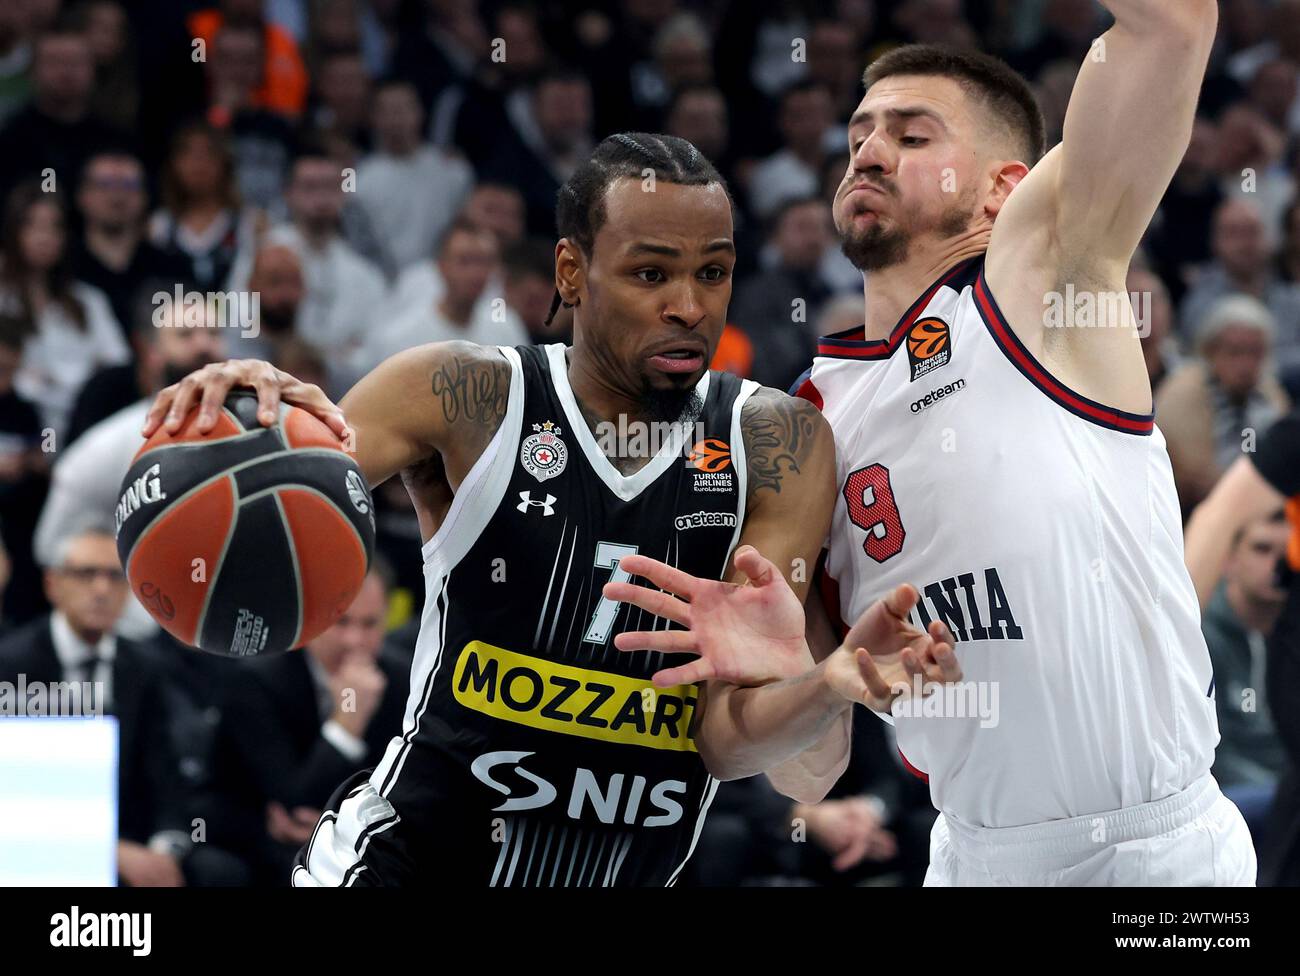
x: 611, y: 803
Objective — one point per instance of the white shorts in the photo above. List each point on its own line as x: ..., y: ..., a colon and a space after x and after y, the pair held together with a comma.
x: 1193, y: 838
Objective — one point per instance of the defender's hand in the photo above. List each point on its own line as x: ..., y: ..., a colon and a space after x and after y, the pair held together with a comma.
x: 208, y: 387
x: 883, y: 653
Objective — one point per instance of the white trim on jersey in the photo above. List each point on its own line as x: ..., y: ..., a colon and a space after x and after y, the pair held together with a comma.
x: 739, y: 461
x: 478, y: 496
x: 471, y: 509
x: 626, y: 487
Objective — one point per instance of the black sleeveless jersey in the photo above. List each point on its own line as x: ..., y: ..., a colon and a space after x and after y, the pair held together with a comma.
x: 534, y: 752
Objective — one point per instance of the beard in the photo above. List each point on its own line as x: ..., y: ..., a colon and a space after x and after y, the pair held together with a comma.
x: 671, y: 406
x: 278, y: 319
x: 876, y: 248
x: 173, y: 371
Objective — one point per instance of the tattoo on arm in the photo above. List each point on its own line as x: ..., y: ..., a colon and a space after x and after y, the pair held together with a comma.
x: 779, y: 438
x: 473, y: 391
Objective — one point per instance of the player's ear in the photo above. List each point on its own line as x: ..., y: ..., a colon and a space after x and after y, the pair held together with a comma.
x: 1006, y: 177
x: 570, y: 271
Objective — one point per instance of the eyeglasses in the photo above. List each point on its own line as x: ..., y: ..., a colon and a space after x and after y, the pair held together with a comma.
x: 88, y: 574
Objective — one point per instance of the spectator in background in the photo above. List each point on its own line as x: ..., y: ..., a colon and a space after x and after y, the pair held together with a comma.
x: 295, y: 726
x: 15, y: 59
x: 1242, y: 25
x: 835, y: 63
x: 87, y: 475
x: 260, y: 139
x: 1241, y: 265
x: 410, y: 190
x: 937, y: 22
x: 1180, y: 235
x: 340, y: 114
x: 1209, y: 407
x: 1155, y: 315
x: 56, y: 130
x: 115, y: 98
x: 682, y: 50
x: 343, y: 289
x: 1280, y: 39
x: 1251, y: 163
x: 112, y: 253
x: 283, y: 78
x: 529, y: 269
x: 202, y: 219
x: 776, y: 307
x: 1250, y: 758
x: 23, y: 471
x: 1288, y: 258
x: 698, y: 114
x: 497, y: 208
x: 1272, y: 92
x: 69, y: 326
x: 440, y: 47
x: 548, y: 134
x: 1068, y: 28
x: 344, y: 25
x: 807, y: 135
x: 277, y: 281
x: 467, y: 259
x: 75, y: 643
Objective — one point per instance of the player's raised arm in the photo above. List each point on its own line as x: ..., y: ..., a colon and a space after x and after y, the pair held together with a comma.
x: 1127, y: 127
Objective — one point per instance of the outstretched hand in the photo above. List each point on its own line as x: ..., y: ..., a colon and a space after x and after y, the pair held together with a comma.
x: 744, y: 633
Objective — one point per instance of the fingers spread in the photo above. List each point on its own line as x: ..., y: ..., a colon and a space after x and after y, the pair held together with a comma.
x: 651, y: 601
x: 671, y: 641
x: 660, y: 574
x: 158, y: 410
x: 755, y: 565
x: 875, y: 684
x: 687, y: 674
x: 902, y: 599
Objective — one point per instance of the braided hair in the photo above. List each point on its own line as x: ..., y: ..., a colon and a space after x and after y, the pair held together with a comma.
x: 580, y: 207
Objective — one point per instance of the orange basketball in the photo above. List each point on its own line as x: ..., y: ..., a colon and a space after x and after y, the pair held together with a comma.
x: 246, y: 540
x: 926, y: 338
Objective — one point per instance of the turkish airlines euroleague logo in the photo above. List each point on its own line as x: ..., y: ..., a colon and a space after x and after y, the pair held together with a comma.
x: 711, y: 455
x: 929, y: 346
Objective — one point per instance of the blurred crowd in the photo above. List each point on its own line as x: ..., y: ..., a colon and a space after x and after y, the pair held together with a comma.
x: 362, y: 176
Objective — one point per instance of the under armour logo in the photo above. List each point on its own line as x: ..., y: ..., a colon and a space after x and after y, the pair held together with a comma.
x: 526, y: 500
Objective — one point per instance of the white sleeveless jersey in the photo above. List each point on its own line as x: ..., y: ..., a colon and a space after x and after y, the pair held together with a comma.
x: 1044, y: 529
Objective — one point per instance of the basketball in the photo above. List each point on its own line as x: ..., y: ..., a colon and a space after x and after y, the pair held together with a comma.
x: 246, y: 540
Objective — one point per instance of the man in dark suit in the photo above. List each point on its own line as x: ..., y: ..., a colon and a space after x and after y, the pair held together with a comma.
x: 295, y: 726
x: 75, y: 644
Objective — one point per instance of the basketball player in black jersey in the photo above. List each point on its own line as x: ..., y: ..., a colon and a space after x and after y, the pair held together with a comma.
x: 534, y: 752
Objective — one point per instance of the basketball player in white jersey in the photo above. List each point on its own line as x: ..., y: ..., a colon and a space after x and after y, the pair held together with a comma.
x: 996, y: 449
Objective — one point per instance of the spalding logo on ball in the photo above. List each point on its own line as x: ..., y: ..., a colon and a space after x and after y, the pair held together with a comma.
x: 246, y: 540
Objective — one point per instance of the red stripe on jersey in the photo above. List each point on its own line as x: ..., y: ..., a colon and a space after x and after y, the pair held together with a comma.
x: 809, y: 392
x: 912, y: 769
x: 844, y: 347
x: 1018, y: 354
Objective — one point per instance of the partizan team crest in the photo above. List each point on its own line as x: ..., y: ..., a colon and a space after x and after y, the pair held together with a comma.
x: 543, y: 454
